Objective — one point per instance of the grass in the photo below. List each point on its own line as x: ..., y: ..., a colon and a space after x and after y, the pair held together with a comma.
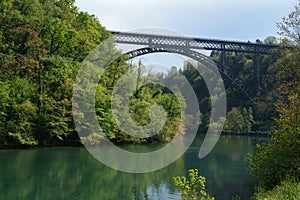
x: 288, y: 190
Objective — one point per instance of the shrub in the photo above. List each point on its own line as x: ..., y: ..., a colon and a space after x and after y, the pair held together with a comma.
x: 192, y: 189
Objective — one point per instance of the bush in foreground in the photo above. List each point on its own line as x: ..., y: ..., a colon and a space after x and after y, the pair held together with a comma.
x: 192, y: 189
x: 288, y: 190
x: 280, y: 158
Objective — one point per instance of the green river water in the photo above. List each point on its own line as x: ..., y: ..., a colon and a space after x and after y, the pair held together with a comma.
x: 72, y: 173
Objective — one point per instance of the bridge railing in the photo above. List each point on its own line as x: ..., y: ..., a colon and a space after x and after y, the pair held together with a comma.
x: 153, y: 40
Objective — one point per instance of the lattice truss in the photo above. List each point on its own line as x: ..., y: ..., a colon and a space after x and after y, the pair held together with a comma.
x: 186, y: 46
x: 192, y: 43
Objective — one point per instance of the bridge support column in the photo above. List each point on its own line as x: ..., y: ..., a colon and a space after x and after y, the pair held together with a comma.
x: 222, y: 62
x: 256, y: 69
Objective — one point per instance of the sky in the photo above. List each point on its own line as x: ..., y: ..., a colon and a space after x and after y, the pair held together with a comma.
x: 241, y: 20
x: 222, y: 19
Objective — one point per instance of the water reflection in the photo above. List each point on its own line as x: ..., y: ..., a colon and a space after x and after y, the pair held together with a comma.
x: 225, y: 168
x: 72, y: 173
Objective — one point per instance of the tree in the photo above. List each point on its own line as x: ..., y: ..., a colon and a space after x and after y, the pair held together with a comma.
x: 239, y: 120
x: 41, y: 49
x: 18, y: 113
x: 271, y: 40
x: 289, y: 26
x: 279, y: 159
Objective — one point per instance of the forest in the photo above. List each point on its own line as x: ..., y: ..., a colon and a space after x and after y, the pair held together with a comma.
x: 43, y: 45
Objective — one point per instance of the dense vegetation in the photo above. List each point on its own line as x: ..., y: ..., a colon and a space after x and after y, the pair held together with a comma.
x: 286, y: 190
x: 142, y: 99
x: 42, y: 46
x: 278, y: 161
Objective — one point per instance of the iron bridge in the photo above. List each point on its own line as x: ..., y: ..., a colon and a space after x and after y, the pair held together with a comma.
x: 152, y: 43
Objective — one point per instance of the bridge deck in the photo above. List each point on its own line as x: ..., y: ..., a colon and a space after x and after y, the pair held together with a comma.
x: 152, y: 40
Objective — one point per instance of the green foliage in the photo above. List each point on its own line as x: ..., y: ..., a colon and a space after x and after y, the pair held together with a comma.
x: 18, y: 112
x: 239, y: 121
x: 42, y: 45
x: 287, y: 190
x: 258, y: 85
x: 192, y: 189
x: 271, y: 40
x: 143, y: 98
x: 289, y: 26
x: 279, y: 159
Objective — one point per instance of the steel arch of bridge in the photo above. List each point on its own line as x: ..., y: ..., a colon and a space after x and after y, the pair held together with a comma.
x: 192, y: 54
x: 186, y: 46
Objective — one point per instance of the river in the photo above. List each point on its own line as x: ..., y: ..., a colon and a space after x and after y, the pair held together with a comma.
x: 72, y: 173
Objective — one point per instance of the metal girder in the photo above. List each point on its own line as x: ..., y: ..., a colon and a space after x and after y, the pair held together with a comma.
x: 192, y: 43
x: 151, y: 43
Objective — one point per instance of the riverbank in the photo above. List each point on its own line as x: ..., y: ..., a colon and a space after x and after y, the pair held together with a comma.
x: 256, y: 134
x: 287, y: 190
x: 79, y: 143
x: 23, y: 147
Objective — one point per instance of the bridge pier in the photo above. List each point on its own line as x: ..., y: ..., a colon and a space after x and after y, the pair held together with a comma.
x: 222, y: 62
x: 256, y: 70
